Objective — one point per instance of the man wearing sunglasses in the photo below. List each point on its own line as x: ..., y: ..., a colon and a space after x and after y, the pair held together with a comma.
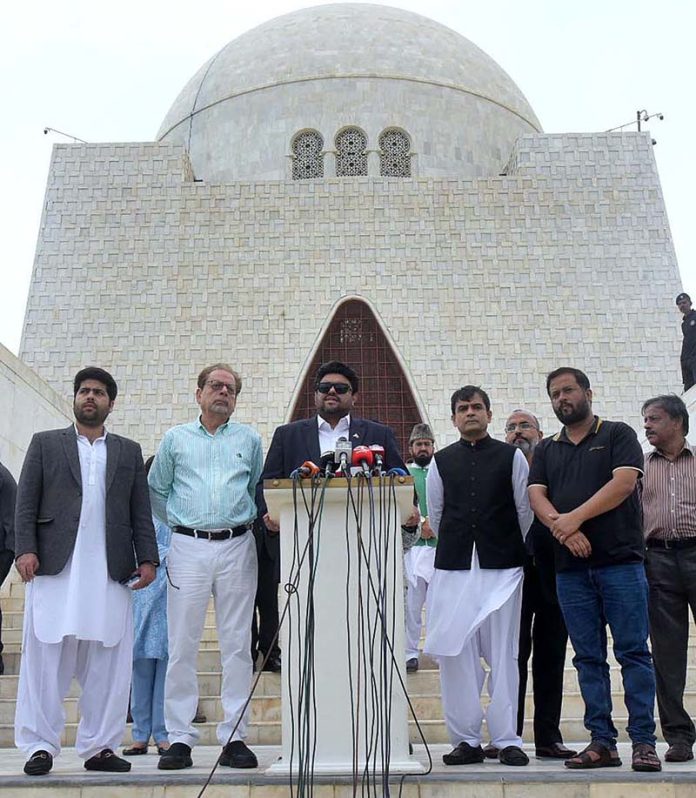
x: 335, y: 396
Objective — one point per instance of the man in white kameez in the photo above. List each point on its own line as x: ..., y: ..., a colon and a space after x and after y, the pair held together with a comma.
x: 479, y: 511
x: 83, y: 530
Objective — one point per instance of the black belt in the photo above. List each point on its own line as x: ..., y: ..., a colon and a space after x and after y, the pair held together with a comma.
x: 218, y: 534
x: 678, y: 543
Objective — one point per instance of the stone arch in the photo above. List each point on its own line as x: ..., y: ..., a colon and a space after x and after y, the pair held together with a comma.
x: 354, y: 335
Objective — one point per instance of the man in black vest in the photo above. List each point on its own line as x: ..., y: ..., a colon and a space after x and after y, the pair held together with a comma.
x: 480, y: 513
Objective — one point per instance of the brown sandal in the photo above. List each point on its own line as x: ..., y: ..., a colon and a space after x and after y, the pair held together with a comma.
x: 595, y: 755
x: 645, y: 758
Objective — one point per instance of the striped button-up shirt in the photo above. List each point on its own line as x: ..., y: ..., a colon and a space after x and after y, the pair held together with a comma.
x: 206, y: 481
x: 669, y: 495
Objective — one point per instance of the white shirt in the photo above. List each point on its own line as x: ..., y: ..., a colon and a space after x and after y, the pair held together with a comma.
x: 82, y: 600
x: 328, y: 435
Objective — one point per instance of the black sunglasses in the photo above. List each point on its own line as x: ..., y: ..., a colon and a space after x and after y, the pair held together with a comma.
x: 339, y: 387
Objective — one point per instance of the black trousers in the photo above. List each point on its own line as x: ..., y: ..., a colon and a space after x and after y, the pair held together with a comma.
x: 6, y: 560
x: 688, y: 368
x: 265, y: 620
x: 672, y: 584
x: 543, y: 635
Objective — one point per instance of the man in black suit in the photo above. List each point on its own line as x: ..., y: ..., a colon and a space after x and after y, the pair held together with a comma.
x: 83, y: 528
x: 8, y: 491
x: 336, y: 394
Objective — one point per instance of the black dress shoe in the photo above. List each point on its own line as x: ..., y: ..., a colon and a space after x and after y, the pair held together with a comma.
x: 554, y: 751
x: 237, y: 755
x: 108, y: 762
x: 464, y: 754
x: 176, y: 757
x: 38, y: 764
x: 273, y: 664
x: 679, y: 752
x: 512, y: 755
x: 490, y: 751
x: 412, y: 665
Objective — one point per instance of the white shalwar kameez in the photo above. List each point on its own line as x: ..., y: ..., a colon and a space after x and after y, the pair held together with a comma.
x: 77, y: 623
x: 419, y: 567
x: 473, y: 614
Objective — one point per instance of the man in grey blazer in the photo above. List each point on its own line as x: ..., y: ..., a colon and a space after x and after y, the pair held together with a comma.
x: 83, y: 536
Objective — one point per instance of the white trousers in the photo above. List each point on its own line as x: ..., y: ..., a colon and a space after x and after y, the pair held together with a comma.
x: 227, y: 570
x: 45, y: 674
x: 415, y: 600
x: 462, y: 677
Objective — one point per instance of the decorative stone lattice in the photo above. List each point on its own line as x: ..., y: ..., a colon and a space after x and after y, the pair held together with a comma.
x: 351, y: 158
x: 309, y: 160
x: 394, y: 156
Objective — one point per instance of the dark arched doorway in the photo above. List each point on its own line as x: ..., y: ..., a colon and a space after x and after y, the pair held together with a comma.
x: 355, y: 337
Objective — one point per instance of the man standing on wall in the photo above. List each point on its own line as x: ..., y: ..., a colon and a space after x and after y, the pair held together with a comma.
x: 688, y: 350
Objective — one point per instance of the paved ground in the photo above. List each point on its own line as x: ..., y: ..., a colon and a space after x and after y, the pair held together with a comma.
x: 68, y: 770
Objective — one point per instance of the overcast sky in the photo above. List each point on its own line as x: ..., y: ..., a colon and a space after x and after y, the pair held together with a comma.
x: 110, y: 71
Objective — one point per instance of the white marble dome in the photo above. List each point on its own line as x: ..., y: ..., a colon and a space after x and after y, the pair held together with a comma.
x: 348, y: 65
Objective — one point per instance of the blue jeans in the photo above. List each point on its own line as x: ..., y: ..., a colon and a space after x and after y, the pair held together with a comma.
x: 147, y: 700
x: 616, y: 595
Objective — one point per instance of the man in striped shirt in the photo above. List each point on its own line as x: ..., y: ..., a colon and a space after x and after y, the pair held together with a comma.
x: 669, y: 516
x: 202, y: 485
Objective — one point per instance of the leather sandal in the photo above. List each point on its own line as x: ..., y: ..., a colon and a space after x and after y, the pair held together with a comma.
x: 595, y: 755
x: 645, y: 759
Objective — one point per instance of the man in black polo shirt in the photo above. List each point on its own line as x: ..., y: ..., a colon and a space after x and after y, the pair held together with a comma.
x: 688, y: 350
x: 479, y: 511
x: 582, y: 486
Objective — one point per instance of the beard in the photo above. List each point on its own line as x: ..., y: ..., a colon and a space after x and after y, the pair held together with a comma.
x: 525, y: 446
x: 422, y: 460
x: 577, y: 414
x: 90, y: 418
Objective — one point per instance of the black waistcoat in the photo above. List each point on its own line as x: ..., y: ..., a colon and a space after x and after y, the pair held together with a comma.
x: 479, y: 506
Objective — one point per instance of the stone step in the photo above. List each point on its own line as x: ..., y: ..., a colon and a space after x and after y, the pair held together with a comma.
x: 269, y: 732
x: 267, y: 707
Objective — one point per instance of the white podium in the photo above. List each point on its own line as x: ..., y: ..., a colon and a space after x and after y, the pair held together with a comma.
x: 343, y: 705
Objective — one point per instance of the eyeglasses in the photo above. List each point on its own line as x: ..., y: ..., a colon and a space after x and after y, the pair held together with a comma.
x: 216, y: 386
x: 521, y: 426
x: 339, y: 387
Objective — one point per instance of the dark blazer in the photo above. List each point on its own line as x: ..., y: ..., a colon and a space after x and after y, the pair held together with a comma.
x: 8, y: 493
x: 294, y: 443
x: 49, y: 502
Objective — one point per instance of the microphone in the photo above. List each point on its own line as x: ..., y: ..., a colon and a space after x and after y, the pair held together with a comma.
x: 396, y: 472
x: 307, y: 469
x: 364, y: 458
x: 378, y: 454
x: 326, y: 464
x: 342, y: 455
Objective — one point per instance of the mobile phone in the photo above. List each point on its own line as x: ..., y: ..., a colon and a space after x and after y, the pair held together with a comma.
x: 130, y: 581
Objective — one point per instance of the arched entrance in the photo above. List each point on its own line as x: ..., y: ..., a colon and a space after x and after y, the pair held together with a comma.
x: 355, y: 337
